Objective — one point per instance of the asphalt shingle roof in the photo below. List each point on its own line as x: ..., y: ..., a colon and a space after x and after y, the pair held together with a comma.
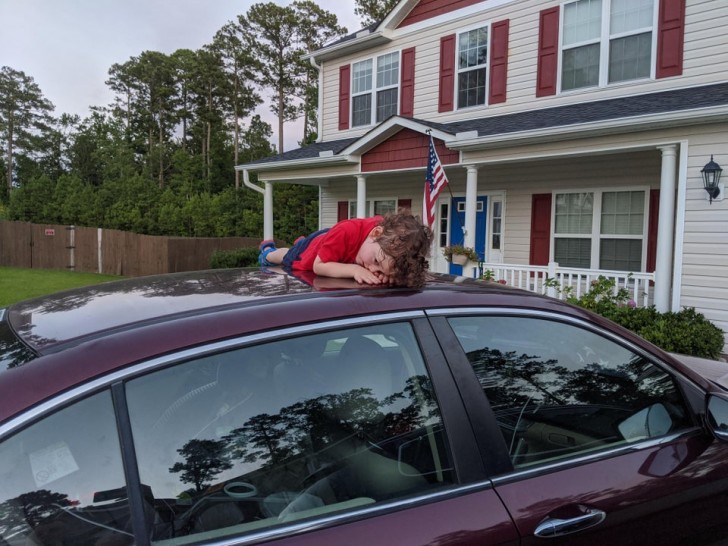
x: 308, y: 152
x: 589, y: 112
x: 561, y: 116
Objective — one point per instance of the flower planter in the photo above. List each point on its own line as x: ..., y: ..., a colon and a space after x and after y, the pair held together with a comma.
x: 459, y: 259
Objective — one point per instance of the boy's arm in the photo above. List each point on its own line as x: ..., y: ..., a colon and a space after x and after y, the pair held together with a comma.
x: 346, y: 271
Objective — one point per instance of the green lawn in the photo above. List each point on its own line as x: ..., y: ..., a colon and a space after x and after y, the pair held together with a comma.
x: 18, y: 284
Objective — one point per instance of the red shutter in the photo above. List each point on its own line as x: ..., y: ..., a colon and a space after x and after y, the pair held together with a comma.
x: 408, y: 83
x: 670, y: 38
x: 344, y: 96
x: 447, y: 74
x: 342, y: 211
x: 548, y: 52
x: 652, y: 229
x: 540, y: 228
x: 498, y: 62
x: 404, y: 204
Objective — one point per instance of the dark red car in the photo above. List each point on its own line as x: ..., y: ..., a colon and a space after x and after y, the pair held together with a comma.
x: 239, y: 406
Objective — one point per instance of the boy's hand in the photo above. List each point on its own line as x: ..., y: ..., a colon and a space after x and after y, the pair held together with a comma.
x: 363, y: 276
x: 360, y: 274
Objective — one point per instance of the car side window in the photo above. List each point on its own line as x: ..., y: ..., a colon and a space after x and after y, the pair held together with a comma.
x: 62, y: 481
x: 257, y: 437
x: 558, y: 390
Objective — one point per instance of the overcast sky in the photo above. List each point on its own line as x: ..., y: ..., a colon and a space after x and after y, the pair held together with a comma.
x: 68, y: 46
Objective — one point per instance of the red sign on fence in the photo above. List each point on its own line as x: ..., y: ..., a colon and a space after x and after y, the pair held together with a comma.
x: 50, y: 232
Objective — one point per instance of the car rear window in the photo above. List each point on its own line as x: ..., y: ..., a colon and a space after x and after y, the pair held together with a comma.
x: 13, y: 352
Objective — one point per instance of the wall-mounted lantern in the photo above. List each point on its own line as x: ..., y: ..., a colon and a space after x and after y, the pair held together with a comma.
x: 711, y: 180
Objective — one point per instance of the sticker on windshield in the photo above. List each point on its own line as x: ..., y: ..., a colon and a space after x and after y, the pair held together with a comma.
x: 52, y: 463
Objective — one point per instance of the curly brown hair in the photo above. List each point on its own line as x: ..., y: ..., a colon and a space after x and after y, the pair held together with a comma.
x: 407, y: 240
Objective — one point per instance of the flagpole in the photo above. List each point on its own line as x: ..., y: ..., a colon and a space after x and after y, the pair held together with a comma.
x: 452, y: 196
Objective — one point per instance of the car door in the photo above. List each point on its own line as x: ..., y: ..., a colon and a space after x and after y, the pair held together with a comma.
x: 340, y: 433
x: 603, y: 442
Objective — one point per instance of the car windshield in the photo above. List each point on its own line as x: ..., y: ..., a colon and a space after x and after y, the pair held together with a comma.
x: 13, y: 352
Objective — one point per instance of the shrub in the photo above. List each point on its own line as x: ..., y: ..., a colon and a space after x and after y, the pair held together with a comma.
x: 240, y: 257
x: 686, y: 332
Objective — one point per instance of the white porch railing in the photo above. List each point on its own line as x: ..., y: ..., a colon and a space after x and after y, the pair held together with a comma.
x: 533, y: 278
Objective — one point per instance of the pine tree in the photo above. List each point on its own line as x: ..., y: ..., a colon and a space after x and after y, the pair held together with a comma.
x: 24, y: 117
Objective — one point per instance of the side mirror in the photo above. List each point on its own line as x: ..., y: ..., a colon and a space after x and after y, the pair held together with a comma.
x: 649, y: 422
x: 716, y: 413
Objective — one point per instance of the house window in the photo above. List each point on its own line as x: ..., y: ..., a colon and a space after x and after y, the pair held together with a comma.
x: 375, y: 89
x: 496, y: 225
x: 600, y: 229
x: 606, y: 41
x: 622, y: 230
x: 443, y: 233
x: 472, y: 67
x: 573, y: 229
x: 375, y: 207
x: 361, y: 99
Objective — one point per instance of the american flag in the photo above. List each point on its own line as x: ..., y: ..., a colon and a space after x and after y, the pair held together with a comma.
x: 435, y: 181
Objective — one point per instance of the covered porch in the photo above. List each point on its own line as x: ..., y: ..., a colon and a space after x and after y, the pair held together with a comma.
x: 560, y: 282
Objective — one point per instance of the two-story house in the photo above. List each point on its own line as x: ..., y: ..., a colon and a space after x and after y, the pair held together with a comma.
x: 574, y: 133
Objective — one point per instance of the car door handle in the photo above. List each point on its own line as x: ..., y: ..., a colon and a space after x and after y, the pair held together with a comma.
x: 556, y: 527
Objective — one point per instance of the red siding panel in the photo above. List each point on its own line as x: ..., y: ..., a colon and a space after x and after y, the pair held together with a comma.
x: 498, y: 62
x: 652, y: 230
x: 344, y: 96
x: 447, y: 74
x: 406, y: 150
x: 670, y: 38
x: 548, y: 52
x: 427, y: 9
x: 407, y: 107
x: 540, y: 228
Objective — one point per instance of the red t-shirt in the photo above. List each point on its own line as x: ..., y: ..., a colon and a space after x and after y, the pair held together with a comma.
x: 340, y: 244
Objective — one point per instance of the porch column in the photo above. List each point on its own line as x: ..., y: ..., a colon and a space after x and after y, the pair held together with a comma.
x: 268, y: 211
x: 665, y: 228
x: 361, y: 196
x: 471, y: 204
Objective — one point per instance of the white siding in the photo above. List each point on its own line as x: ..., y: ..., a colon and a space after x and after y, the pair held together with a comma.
x: 705, y: 61
x: 705, y: 249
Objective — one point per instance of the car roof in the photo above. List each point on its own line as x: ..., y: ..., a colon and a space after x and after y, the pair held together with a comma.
x: 56, y: 319
x: 50, y: 323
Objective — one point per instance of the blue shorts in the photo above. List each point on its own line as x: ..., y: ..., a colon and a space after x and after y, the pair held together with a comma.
x: 294, y: 253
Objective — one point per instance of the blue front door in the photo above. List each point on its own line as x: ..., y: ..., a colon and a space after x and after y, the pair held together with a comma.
x: 457, y: 223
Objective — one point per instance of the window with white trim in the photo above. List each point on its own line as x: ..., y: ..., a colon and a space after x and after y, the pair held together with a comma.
x: 606, y: 41
x: 375, y: 207
x: 601, y: 229
x: 375, y: 89
x: 472, y: 66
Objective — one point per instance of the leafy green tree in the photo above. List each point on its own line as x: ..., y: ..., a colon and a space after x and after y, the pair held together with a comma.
x: 255, y: 141
x: 281, y: 35
x: 24, y: 115
x: 296, y: 210
x: 373, y: 11
x: 211, y: 88
x: 271, y: 31
x: 73, y: 202
x: 32, y: 200
x: 316, y: 28
x: 146, y: 99
x: 130, y: 205
x: 241, y: 67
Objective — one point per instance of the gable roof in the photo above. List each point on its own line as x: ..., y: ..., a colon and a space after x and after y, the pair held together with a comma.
x: 625, y: 114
